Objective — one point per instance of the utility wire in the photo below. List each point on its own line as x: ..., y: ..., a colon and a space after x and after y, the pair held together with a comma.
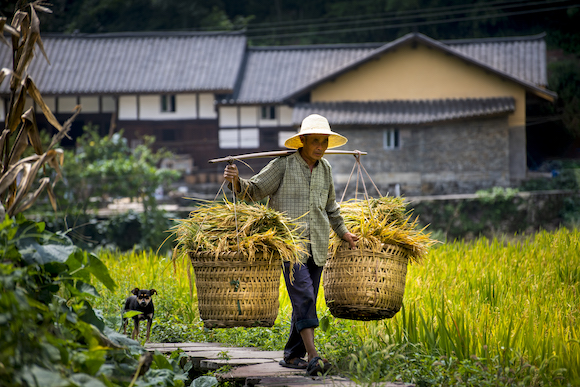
x: 401, y: 25
x: 420, y: 12
x: 424, y: 14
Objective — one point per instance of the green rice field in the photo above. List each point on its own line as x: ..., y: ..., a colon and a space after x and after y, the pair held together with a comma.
x: 485, y: 312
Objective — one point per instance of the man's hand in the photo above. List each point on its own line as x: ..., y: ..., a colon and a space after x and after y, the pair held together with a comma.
x: 231, y: 174
x: 351, y: 239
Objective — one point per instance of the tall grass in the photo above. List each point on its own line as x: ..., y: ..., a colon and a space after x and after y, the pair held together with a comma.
x: 487, y: 312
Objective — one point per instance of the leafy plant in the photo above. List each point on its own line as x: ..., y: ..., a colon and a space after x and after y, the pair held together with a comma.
x: 104, y: 168
x: 51, y: 333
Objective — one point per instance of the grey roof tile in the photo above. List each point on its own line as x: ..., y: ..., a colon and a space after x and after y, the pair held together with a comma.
x: 522, y: 57
x: 272, y: 72
x: 403, y: 112
x: 135, y: 63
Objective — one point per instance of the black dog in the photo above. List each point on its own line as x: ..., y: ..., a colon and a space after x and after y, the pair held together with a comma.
x: 140, y: 302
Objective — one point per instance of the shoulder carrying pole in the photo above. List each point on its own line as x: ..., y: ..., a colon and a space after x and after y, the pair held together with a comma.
x: 258, y: 155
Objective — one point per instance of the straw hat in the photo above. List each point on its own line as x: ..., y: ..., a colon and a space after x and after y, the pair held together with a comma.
x: 315, y: 124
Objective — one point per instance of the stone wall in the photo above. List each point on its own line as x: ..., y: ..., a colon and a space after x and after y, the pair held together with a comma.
x: 445, y: 158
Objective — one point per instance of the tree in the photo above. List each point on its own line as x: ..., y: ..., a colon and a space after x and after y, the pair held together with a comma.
x: 106, y: 168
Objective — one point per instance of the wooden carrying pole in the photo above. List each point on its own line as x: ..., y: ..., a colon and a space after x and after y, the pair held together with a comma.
x: 279, y: 153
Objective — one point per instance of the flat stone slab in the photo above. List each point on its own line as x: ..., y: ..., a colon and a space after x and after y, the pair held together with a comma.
x: 305, y: 381
x: 270, y: 369
x: 253, y: 366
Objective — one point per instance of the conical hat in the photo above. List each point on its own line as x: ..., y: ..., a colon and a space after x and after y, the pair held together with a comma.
x: 315, y: 124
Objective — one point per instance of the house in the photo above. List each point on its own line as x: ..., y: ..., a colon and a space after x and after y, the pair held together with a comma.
x: 434, y: 116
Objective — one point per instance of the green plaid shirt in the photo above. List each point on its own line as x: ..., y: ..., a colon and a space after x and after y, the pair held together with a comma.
x: 296, y: 191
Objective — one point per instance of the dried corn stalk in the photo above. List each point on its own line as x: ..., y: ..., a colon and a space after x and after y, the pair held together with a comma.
x: 381, y: 221
x: 248, y: 228
x: 21, y: 180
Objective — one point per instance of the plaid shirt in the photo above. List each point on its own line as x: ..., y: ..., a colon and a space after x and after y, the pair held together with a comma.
x: 296, y: 191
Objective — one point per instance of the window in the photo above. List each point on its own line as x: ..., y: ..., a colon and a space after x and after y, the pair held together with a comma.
x: 391, y: 138
x: 168, y: 103
x: 269, y: 112
x: 239, y: 138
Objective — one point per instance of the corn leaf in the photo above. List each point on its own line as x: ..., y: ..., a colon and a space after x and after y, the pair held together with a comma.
x: 32, y: 132
x: 9, y: 177
x: 35, y: 94
x: 15, y: 114
x: 31, y: 197
x: 30, y: 40
x: 4, y: 73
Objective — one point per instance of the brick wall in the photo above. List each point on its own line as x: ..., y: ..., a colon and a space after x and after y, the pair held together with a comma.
x: 446, y: 158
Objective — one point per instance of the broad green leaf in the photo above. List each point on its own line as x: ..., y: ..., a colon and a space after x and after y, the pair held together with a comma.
x: 131, y: 313
x: 205, y: 381
x: 160, y: 361
x: 32, y: 252
x: 37, y: 376
x: 86, y: 288
x: 97, y: 268
x: 85, y: 380
x: 324, y: 323
x: 88, y: 315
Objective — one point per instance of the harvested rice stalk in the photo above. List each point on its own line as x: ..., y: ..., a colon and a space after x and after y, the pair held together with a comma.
x: 212, y: 227
x: 385, y: 220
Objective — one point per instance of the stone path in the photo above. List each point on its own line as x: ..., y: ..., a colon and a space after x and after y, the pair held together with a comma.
x: 251, y: 367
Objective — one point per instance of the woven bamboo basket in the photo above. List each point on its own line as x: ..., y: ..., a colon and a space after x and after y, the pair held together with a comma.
x: 363, y: 284
x: 232, y: 292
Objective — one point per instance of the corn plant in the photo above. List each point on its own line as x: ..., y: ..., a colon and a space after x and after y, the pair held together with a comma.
x: 23, y: 179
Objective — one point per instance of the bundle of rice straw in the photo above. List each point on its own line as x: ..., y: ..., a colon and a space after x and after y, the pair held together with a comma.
x: 240, y: 227
x: 382, y: 221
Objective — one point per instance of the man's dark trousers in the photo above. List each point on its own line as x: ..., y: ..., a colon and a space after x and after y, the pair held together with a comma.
x: 303, y: 292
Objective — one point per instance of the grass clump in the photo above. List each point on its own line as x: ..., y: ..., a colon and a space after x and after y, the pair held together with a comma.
x: 382, y: 221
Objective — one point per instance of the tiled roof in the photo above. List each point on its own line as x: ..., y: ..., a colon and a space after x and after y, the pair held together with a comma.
x: 135, y: 63
x: 403, y: 112
x: 521, y: 57
x: 272, y: 72
x: 416, y: 38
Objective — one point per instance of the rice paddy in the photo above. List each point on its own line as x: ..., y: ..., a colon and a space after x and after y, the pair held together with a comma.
x: 486, y: 312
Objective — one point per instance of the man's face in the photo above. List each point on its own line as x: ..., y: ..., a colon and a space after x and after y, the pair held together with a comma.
x: 313, y: 147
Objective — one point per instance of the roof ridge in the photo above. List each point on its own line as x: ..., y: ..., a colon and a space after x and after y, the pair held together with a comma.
x: 141, y: 34
x: 317, y: 46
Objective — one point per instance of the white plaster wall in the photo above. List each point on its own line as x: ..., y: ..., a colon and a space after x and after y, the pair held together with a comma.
x: 150, y: 108
x: 285, y: 115
x: 207, y: 106
x: 228, y: 116
x: 228, y: 138
x: 249, y: 138
x: 186, y: 106
x: 283, y: 136
x: 108, y: 104
x: 90, y: 104
x: 2, y: 112
x: 50, y: 102
x: 128, y: 107
x: 248, y: 116
x: 67, y: 104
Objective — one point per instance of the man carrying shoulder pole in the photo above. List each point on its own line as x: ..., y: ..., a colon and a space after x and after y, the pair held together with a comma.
x: 301, y: 186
